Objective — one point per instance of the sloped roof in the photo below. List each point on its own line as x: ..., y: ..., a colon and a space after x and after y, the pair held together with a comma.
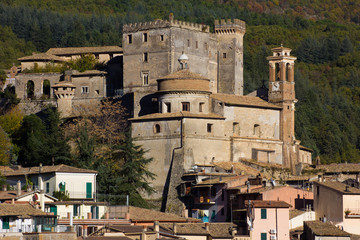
x: 250, y: 101
x: 84, y: 50
x: 183, y: 74
x: 177, y: 115
x: 295, y: 212
x: 339, y: 187
x: 22, y: 210
x: 87, y: 72
x: 238, y: 168
x: 126, y: 228
x: 147, y: 215
x: 268, y: 204
x: 340, y: 167
x: 63, y: 84
x: 45, y: 169
x: 325, y: 229
x: 41, y: 56
x: 216, y: 230
x: 218, y: 180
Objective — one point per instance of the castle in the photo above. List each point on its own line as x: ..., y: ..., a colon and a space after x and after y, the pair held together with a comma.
x: 184, y: 87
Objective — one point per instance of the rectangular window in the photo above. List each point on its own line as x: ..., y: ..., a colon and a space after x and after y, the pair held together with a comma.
x: 88, y: 190
x: 76, y: 209
x: 222, y: 212
x: 263, y: 236
x: 188, y: 43
x: 201, y: 106
x: 145, y: 37
x: 209, y: 127
x: 196, y: 44
x: 5, y: 223
x: 145, y: 57
x: 47, y: 187
x: 161, y: 37
x: 145, y: 78
x: 85, y: 89
x: 317, y: 190
x: 186, y: 106
x: 263, y: 213
x: 224, y: 55
x: 222, y: 194
x: 168, y: 107
x: 236, y: 128
x: 130, y: 39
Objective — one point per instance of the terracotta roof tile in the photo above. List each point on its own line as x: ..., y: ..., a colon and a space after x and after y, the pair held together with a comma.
x: 243, y: 101
x: 64, y: 84
x: 216, y: 230
x: 177, y: 115
x: 325, y: 229
x: 42, y: 56
x: 24, y: 210
x: 267, y: 204
x: 340, y: 167
x: 84, y: 50
x: 45, y: 169
x: 238, y: 168
x: 88, y: 72
x: 340, y: 187
x: 107, y: 238
x: 183, y: 74
x: 218, y: 180
x: 148, y: 215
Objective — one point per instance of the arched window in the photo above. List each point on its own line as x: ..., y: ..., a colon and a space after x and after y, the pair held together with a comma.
x: 277, y: 72
x: 287, y: 71
x: 46, y: 89
x: 157, y: 128
x: 30, y: 88
x: 257, y: 131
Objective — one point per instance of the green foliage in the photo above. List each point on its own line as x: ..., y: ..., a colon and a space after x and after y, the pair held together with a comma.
x: 85, y: 62
x: 11, y: 98
x: 42, y: 141
x: 86, y: 148
x: 61, y: 195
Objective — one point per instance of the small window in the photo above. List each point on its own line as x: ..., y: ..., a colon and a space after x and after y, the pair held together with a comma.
x: 188, y: 43
x: 317, y: 190
x: 47, y: 187
x: 157, y: 128
x: 196, y: 44
x: 209, y: 127
x: 201, y: 106
x: 85, y: 89
x: 257, y: 130
x: 263, y: 236
x: 76, y: 209
x: 263, y: 213
x: 222, y: 194
x: 130, y: 39
x: 161, y: 37
x: 186, y: 106
x: 97, y: 92
x: 168, y: 107
x: 222, y: 212
x: 145, y: 37
x: 236, y: 128
x: 145, y: 57
x: 224, y: 55
x: 213, y: 191
x: 145, y: 78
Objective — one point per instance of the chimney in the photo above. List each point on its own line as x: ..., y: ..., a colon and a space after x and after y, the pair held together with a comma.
x: 207, y: 226
x: 127, y: 216
x: 143, y: 234
x: 347, y: 188
x: 174, y: 228
x: 18, y: 188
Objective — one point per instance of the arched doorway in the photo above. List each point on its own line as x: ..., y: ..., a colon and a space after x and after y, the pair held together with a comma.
x: 30, y: 90
x: 46, y: 89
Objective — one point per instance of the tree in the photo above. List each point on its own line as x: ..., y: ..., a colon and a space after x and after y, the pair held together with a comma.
x: 86, y: 148
x: 126, y: 173
x: 5, y: 148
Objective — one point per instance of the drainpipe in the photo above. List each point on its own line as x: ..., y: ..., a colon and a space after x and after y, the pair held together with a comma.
x: 277, y: 230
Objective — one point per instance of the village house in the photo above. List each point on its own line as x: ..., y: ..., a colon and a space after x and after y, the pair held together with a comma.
x: 338, y: 203
x: 268, y: 220
x: 319, y: 230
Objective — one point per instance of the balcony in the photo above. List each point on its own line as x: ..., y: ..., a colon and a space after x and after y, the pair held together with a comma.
x: 203, y: 200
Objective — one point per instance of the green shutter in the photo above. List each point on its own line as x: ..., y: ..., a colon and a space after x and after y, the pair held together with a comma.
x: 263, y: 213
x: 76, y: 206
x: 53, y: 209
x: 6, y: 223
x: 88, y: 190
x: 263, y: 235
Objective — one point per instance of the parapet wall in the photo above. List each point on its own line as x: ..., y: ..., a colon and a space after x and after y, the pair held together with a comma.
x: 142, y: 26
x: 229, y: 26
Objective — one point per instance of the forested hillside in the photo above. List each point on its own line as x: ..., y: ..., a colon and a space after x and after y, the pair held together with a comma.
x: 324, y: 36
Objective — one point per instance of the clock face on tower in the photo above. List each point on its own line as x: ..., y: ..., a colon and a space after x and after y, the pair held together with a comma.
x: 275, y: 86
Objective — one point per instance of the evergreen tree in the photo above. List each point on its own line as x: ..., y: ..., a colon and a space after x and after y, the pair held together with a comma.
x: 86, y: 148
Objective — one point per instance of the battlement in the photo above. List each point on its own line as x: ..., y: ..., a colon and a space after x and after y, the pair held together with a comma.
x: 229, y: 26
x: 143, y: 26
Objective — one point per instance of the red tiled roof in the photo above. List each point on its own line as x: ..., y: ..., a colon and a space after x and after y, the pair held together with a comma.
x: 267, y: 204
x: 84, y: 50
x: 232, y: 99
x: 147, y: 215
x: 339, y: 187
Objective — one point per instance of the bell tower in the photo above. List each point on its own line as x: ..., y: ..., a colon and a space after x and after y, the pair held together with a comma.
x: 282, y: 93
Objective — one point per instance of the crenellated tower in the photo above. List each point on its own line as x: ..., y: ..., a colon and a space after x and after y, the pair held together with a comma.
x: 282, y: 93
x: 64, y: 92
x: 230, y: 34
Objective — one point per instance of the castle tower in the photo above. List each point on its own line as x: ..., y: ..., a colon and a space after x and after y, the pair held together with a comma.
x: 230, y: 36
x: 64, y: 92
x: 282, y: 93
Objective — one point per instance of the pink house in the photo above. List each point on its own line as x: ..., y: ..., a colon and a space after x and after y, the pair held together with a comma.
x: 268, y: 220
